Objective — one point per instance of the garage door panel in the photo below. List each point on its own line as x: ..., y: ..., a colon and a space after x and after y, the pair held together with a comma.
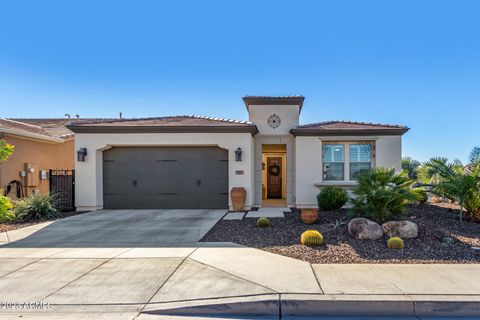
x: 165, y: 177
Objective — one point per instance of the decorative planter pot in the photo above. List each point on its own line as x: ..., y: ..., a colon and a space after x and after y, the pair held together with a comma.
x: 309, y: 216
x: 238, y: 196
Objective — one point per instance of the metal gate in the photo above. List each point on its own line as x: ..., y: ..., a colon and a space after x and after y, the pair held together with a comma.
x: 62, y: 187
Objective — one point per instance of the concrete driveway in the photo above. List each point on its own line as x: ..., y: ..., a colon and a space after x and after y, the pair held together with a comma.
x: 123, y: 228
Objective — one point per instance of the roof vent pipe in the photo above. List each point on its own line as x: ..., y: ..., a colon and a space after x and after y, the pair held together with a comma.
x: 120, y: 114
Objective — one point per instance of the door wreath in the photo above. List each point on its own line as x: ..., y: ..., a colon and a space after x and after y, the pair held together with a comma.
x: 274, y: 170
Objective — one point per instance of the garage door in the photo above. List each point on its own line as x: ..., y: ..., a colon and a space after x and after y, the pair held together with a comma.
x: 165, y: 177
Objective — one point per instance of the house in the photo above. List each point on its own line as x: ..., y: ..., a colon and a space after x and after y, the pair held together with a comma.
x: 40, y: 145
x: 193, y: 161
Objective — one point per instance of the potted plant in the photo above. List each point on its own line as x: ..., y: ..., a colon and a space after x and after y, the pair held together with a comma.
x: 238, y: 196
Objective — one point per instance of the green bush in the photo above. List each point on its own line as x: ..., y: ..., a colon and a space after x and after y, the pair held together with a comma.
x: 395, y: 243
x: 423, y: 196
x: 263, y: 222
x: 35, y: 207
x: 382, y: 193
x: 6, y: 213
x: 332, y: 198
x: 456, y: 182
x: 311, y: 238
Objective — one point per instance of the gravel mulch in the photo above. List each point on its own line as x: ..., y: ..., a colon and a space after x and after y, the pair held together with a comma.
x: 442, y: 238
x: 18, y: 225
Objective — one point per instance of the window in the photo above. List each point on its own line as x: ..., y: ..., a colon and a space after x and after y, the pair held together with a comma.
x: 360, y: 155
x: 333, y: 162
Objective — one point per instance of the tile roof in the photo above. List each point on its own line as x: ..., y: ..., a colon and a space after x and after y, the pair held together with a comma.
x: 348, y: 127
x: 170, y: 121
x: 54, y: 127
x: 39, y: 131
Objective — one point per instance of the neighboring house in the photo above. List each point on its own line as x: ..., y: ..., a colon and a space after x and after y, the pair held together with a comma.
x: 40, y: 145
x: 193, y: 162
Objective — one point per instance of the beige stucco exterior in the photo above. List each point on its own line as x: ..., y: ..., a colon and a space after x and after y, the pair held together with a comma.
x: 309, y: 166
x: 42, y: 154
x: 89, y: 174
x: 302, y: 158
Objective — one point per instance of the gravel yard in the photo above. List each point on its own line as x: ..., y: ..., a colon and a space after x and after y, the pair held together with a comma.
x: 442, y: 238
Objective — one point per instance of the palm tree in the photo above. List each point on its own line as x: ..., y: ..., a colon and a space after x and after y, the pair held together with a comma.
x: 411, y: 166
x: 382, y: 193
x: 456, y: 182
x: 474, y: 156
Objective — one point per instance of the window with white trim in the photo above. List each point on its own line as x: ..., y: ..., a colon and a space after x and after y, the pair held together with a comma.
x: 359, y: 159
x: 333, y: 162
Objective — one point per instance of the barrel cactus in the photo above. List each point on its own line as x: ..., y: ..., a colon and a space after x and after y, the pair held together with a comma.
x: 395, y: 243
x: 263, y: 222
x: 311, y: 238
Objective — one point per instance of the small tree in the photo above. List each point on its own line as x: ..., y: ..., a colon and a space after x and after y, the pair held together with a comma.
x: 382, y: 193
x: 6, y: 150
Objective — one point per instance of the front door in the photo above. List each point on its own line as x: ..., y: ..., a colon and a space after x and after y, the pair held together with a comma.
x: 274, y: 177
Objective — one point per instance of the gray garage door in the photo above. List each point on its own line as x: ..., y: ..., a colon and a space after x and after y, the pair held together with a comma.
x: 165, y: 178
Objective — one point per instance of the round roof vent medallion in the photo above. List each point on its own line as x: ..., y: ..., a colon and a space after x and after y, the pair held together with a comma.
x: 274, y: 121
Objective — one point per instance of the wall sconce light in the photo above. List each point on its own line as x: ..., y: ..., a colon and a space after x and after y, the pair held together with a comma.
x: 81, y: 154
x: 238, y: 154
x: 31, y: 170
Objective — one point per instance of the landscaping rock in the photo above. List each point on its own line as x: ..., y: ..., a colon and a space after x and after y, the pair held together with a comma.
x: 364, y: 229
x: 401, y: 229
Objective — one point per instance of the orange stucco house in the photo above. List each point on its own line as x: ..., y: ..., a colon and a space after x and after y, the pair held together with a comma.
x: 40, y: 145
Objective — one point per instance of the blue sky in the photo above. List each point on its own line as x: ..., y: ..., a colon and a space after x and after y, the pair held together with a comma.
x: 415, y: 63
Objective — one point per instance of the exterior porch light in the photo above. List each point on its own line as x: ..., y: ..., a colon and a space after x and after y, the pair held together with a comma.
x: 238, y: 154
x: 81, y: 154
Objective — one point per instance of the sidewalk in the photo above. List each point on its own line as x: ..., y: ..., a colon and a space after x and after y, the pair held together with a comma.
x: 125, y: 283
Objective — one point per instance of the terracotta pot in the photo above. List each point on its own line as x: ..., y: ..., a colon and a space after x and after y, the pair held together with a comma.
x: 238, y: 196
x: 309, y: 216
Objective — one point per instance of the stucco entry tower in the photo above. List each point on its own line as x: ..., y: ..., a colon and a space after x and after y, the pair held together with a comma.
x: 274, y: 118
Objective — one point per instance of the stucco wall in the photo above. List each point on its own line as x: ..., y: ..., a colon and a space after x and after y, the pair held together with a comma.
x: 309, y: 168
x: 289, y: 116
x: 89, y: 175
x: 45, y: 155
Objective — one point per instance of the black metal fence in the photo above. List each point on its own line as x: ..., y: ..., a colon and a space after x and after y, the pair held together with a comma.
x: 62, y: 187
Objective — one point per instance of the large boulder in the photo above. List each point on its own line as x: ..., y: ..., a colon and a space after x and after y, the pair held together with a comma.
x: 401, y: 229
x: 364, y: 229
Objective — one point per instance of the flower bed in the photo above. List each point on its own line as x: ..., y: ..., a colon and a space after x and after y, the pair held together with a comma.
x: 442, y: 238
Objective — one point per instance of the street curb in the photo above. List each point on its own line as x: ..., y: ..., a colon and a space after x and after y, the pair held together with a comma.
x: 258, y: 305
x: 328, y: 305
x: 379, y: 305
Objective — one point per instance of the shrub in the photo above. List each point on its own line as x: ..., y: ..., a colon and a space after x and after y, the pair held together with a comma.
x: 395, y: 243
x: 382, y: 193
x: 423, y: 196
x: 6, y: 213
x: 263, y: 222
x: 311, y: 238
x: 6, y: 150
x: 35, y: 207
x: 332, y: 198
x: 455, y: 182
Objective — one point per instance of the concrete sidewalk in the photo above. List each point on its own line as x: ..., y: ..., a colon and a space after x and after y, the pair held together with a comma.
x: 125, y: 283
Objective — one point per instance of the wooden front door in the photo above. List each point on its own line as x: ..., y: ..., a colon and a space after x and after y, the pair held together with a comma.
x: 274, y: 177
